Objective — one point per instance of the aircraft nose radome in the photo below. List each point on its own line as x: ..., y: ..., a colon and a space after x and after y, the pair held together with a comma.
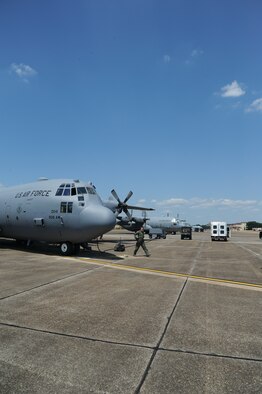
x: 98, y: 218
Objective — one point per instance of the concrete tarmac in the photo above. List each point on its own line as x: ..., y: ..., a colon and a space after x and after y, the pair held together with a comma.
x: 188, y: 319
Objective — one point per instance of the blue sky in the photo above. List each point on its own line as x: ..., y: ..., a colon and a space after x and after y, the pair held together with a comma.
x: 160, y: 97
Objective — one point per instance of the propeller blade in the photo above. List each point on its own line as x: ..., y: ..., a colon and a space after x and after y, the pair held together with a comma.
x: 130, y: 194
x: 127, y: 214
x: 114, y: 193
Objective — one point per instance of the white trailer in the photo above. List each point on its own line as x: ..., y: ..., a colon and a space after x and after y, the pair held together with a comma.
x: 219, y: 231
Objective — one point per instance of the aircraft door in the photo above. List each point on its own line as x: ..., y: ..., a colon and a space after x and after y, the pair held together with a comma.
x: 15, y: 220
x: 8, y: 220
x: 8, y: 215
x: 2, y: 215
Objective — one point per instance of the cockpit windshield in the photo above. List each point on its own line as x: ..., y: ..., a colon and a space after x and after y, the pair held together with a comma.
x: 70, y: 190
x: 81, y: 190
x: 90, y: 190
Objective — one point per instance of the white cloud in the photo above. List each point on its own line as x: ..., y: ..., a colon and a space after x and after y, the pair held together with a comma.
x: 173, y: 202
x: 167, y: 59
x: 194, y: 55
x: 207, y: 203
x: 232, y: 90
x: 255, y: 106
x: 236, y: 105
x: 196, y: 52
x: 202, y: 210
x: 23, y: 71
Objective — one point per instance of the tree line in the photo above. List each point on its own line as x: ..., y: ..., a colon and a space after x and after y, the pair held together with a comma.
x: 251, y: 225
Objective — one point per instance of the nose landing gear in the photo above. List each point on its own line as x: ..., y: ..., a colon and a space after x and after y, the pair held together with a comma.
x: 69, y: 249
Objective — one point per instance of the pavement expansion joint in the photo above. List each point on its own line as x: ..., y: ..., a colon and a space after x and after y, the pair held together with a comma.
x: 145, y: 374
x: 47, y: 283
x: 209, y: 354
x: 81, y: 337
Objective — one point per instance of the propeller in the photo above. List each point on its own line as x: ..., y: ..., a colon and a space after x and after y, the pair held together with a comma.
x: 123, y: 206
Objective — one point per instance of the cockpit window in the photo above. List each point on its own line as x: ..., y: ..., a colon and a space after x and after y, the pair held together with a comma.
x: 59, y: 192
x: 63, y: 207
x: 66, y: 207
x: 67, y: 189
x: 81, y: 190
x: 66, y: 192
x: 90, y: 190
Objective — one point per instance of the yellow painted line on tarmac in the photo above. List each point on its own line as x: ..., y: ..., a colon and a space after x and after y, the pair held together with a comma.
x: 154, y: 271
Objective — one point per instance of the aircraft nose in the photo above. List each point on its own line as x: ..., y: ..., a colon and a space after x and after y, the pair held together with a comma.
x: 98, y: 220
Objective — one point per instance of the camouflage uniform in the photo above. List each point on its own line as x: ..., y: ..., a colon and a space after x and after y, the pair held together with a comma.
x: 139, y: 236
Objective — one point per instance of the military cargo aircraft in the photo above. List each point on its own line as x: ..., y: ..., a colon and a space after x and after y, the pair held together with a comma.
x: 159, y: 226
x: 60, y: 211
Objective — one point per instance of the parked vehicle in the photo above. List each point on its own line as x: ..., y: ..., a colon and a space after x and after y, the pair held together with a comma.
x: 219, y: 231
x: 186, y: 232
x: 157, y: 233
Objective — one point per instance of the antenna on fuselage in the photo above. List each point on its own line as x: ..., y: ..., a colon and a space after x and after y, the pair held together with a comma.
x: 42, y: 178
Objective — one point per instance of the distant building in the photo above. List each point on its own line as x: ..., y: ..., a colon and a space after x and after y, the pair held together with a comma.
x: 238, y: 226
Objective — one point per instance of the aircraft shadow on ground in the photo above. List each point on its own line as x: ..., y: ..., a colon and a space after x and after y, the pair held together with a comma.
x: 103, y: 248
x: 51, y: 250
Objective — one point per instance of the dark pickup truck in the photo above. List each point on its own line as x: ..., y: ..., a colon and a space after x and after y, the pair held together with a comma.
x: 186, y: 232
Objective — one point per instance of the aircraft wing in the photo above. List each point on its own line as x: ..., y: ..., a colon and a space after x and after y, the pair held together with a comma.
x: 139, y: 208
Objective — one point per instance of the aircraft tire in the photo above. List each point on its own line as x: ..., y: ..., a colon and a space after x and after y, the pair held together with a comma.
x: 76, y: 248
x: 67, y: 248
x: 21, y: 242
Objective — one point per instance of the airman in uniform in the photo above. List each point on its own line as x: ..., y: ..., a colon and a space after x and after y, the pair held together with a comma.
x: 139, y: 236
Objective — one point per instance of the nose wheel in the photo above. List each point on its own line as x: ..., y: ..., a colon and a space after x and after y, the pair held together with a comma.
x: 67, y: 248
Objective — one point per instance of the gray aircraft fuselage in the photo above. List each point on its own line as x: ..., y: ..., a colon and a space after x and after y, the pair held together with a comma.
x: 54, y: 211
x: 167, y: 225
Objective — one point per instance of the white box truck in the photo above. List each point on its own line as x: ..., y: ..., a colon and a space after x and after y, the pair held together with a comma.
x: 219, y: 231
